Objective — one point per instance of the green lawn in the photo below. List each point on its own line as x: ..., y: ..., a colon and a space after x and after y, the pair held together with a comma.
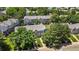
x: 74, y: 38
x: 47, y: 26
x: 39, y: 42
x: 77, y: 35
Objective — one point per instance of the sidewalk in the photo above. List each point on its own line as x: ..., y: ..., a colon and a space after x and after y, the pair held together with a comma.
x: 73, y: 47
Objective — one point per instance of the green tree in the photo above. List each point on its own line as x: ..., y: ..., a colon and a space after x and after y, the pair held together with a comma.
x: 11, y: 11
x: 63, y: 19
x: 55, y: 35
x: 36, y: 21
x: 1, y: 35
x: 42, y: 11
x: 38, y: 11
x: 73, y: 12
x: 17, y: 12
x: 3, y: 45
x: 3, y: 18
x: 23, y: 39
x: 73, y: 18
x: 56, y: 11
x: 21, y: 12
x: 55, y: 18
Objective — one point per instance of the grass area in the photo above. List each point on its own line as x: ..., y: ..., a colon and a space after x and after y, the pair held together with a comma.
x: 77, y: 35
x: 74, y: 38
x: 39, y: 42
x: 47, y: 26
x: 70, y: 39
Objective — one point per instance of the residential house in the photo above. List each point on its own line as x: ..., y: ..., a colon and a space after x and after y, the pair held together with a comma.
x: 74, y: 28
x: 7, y: 26
x: 38, y: 29
x: 42, y: 19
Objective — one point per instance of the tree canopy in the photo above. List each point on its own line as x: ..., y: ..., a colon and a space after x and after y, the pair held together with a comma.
x: 55, y: 35
x: 3, y: 18
x: 17, y: 12
x: 11, y: 11
x: 36, y: 21
x: 23, y: 39
x: 38, y: 11
x: 3, y: 45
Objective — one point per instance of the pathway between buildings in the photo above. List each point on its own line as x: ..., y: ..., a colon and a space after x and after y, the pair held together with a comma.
x: 73, y: 47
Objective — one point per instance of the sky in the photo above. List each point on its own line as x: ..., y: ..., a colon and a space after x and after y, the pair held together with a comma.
x: 39, y: 3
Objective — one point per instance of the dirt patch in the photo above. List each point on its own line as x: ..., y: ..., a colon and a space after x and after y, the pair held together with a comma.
x: 73, y: 47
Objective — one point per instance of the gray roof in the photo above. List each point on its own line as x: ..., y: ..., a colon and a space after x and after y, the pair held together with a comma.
x: 14, y: 21
x: 74, y: 26
x: 8, y: 23
x: 39, y: 27
x: 37, y: 17
x: 5, y: 25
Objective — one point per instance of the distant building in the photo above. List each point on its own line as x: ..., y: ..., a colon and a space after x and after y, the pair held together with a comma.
x: 38, y: 29
x: 43, y: 19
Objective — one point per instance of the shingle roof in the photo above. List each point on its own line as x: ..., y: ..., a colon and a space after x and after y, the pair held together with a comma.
x: 14, y: 21
x: 5, y: 25
x: 39, y: 27
x: 37, y: 17
x: 74, y: 26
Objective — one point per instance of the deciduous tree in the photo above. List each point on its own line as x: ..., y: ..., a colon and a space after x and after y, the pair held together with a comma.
x: 23, y: 39
x: 57, y: 34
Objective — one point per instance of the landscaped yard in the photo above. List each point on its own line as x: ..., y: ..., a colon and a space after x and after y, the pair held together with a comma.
x: 74, y: 37
x: 47, y: 26
x: 39, y: 42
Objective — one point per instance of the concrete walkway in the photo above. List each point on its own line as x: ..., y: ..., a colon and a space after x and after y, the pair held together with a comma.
x: 73, y: 47
x: 45, y: 49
